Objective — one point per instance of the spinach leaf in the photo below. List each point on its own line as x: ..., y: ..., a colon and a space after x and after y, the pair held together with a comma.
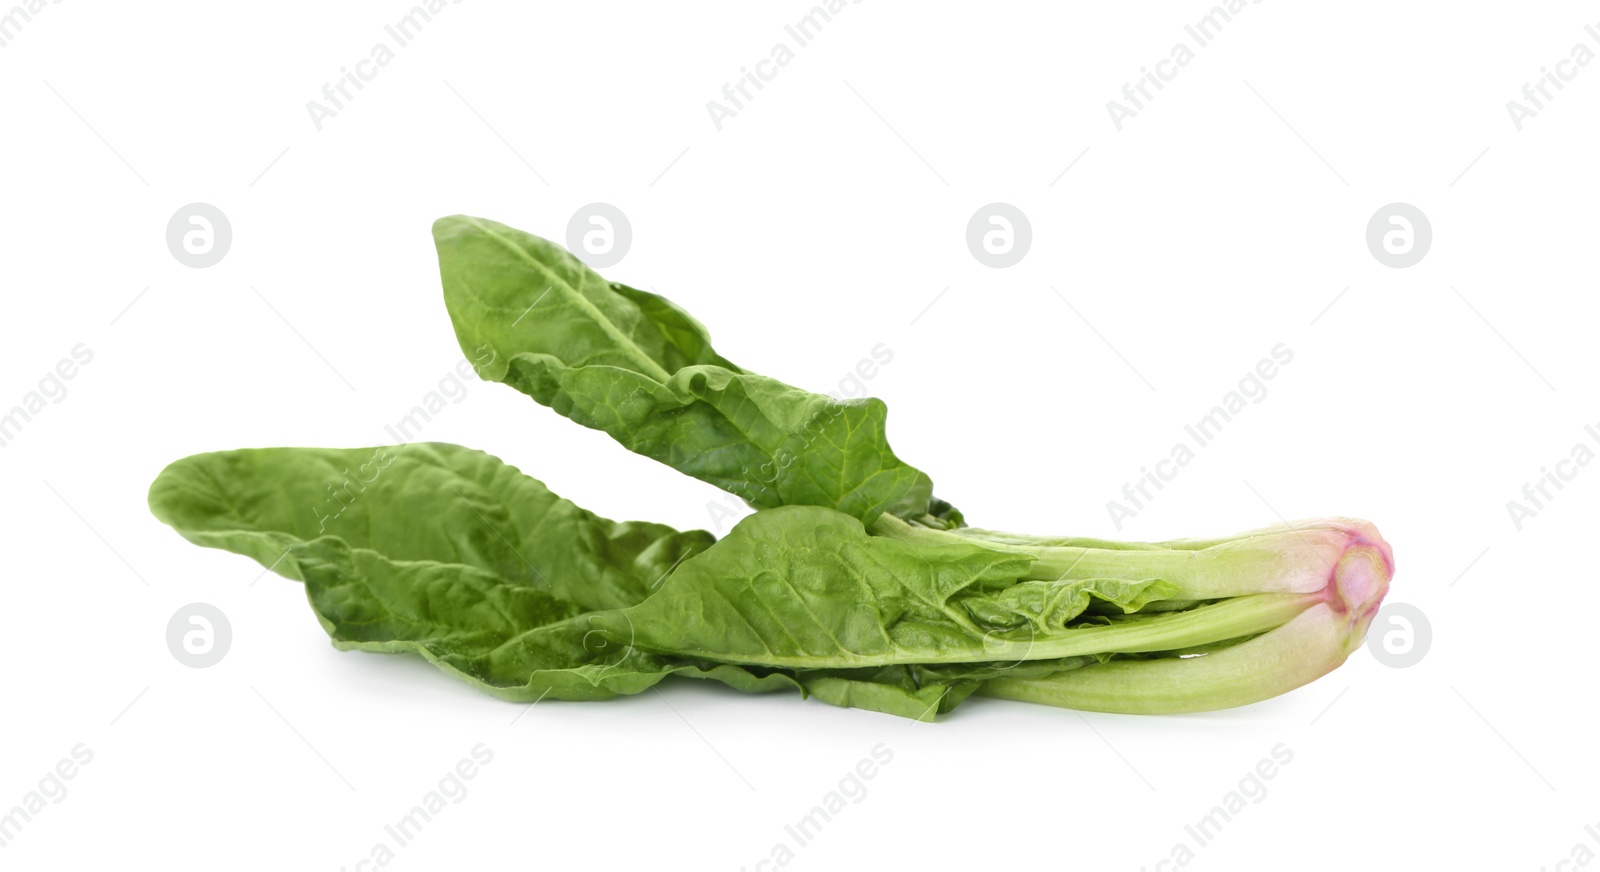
x: 445, y: 552
x: 634, y: 365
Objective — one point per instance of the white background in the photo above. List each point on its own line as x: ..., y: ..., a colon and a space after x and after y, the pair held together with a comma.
x: 819, y: 222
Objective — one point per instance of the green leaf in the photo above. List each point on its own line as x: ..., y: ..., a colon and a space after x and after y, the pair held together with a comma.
x: 444, y: 552
x: 632, y: 364
x: 895, y: 690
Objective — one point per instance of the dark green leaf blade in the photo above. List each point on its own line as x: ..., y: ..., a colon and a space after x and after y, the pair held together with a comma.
x: 437, y: 550
x: 632, y: 364
x: 422, y: 501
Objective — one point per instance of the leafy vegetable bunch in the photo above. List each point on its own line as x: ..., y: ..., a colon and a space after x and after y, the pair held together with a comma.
x: 850, y: 583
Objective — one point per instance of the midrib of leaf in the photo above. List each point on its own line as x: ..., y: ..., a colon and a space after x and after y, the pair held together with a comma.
x: 572, y: 295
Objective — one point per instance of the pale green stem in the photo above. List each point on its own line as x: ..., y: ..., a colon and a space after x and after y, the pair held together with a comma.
x: 1308, y: 647
x: 1297, y: 558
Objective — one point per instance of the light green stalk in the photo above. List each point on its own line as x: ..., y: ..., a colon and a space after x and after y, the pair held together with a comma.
x: 1290, y: 558
x: 1300, y: 596
x: 1315, y: 642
